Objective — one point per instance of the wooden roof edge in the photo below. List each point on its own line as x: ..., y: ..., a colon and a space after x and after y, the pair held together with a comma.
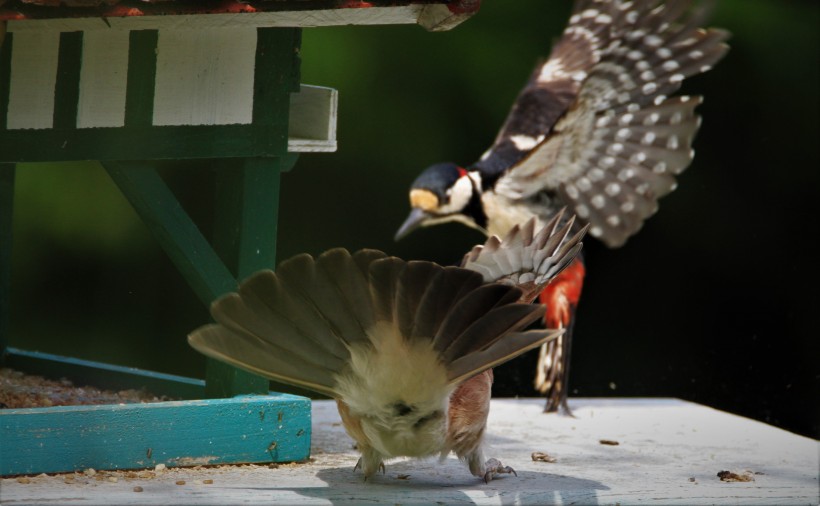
x: 434, y: 15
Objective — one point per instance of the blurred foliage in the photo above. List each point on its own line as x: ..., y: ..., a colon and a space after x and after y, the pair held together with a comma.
x: 712, y: 301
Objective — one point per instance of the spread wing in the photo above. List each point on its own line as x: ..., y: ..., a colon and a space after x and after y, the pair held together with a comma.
x: 550, y: 90
x: 299, y: 324
x: 602, y: 135
x: 526, y: 259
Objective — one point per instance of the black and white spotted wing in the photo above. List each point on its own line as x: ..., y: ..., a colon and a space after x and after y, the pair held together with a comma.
x: 595, y: 127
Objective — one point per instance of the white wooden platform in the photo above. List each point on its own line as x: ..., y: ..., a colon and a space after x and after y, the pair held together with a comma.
x: 669, y: 452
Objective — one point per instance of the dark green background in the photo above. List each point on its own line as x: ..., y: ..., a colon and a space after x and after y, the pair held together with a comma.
x: 714, y: 300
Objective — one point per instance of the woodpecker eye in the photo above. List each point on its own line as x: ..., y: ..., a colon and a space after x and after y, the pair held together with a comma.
x: 435, y: 415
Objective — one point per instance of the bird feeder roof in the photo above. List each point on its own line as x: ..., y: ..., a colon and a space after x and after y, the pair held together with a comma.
x: 432, y: 14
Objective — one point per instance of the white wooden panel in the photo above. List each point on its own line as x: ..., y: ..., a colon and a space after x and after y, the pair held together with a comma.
x: 103, y: 79
x: 205, y: 77
x: 312, y: 122
x: 33, y: 75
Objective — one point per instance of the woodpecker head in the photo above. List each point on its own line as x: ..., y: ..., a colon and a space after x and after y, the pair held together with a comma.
x: 444, y: 192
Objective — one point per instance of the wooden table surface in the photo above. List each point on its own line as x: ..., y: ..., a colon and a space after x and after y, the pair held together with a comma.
x: 668, y: 452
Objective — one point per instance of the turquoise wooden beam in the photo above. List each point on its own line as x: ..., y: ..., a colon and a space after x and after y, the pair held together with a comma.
x: 6, y: 207
x: 273, y: 428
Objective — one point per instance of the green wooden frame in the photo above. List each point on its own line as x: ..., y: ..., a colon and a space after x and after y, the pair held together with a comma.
x: 264, y: 428
x: 247, y: 200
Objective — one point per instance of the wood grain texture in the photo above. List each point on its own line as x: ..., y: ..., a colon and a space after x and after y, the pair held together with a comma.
x: 274, y: 428
x: 312, y: 125
x: 205, y: 77
x: 441, y: 18
x: 103, y: 79
x: 670, y: 452
x: 33, y: 76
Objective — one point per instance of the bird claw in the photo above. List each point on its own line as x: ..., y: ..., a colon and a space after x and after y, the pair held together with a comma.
x: 493, y: 467
x: 359, y: 464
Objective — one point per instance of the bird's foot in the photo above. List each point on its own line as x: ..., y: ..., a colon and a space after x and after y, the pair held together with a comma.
x: 493, y: 467
x: 558, y: 405
x: 366, y: 474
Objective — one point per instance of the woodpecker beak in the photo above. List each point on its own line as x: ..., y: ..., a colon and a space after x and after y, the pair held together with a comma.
x: 414, y: 221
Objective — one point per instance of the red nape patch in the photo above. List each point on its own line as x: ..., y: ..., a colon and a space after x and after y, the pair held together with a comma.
x: 356, y: 5
x: 461, y: 172
x: 123, y: 12
x: 464, y: 6
x: 562, y: 295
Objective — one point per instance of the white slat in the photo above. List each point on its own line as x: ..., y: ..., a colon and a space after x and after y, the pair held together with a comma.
x: 312, y: 123
x: 33, y: 75
x: 103, y: 79
x: 205, y: 77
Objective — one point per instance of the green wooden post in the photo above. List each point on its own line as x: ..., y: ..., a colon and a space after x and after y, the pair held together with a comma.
x: 247, y: 197
x: 247, y: 211
x: 6, y: 207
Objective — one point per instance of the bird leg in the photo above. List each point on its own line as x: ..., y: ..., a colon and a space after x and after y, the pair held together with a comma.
x: 493, y: 467
x: 561, y: 298
x: 365, y: 470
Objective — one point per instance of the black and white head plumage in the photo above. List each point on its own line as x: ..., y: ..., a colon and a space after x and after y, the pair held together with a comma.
x: 445, y: 192
x: 596, y: 127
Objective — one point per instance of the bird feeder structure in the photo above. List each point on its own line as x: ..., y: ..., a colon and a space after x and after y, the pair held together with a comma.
x: 131, y: 82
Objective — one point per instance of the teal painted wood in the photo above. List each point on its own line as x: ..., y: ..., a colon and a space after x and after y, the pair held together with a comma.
x: 6, y: 207
x: 247, y: 215
x: 177, y: 234
x: 272, y: 428
x: 67, y: 85
x: 108, y: 376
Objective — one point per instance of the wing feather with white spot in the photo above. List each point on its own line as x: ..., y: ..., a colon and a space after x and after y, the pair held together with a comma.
x: 552, y: 87
x: 620, y: 143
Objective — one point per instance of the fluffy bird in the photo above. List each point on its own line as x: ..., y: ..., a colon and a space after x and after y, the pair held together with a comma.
x: 596, y: 129
x: 405, y: 348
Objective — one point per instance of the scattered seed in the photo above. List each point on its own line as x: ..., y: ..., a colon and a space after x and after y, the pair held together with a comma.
x: 610, y: 442
x: 403, y: 476
x: 137, y: 489
x: 730, y: 476
x: 180, y: 482
x: 208, y: 482
x: 543, y: 457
